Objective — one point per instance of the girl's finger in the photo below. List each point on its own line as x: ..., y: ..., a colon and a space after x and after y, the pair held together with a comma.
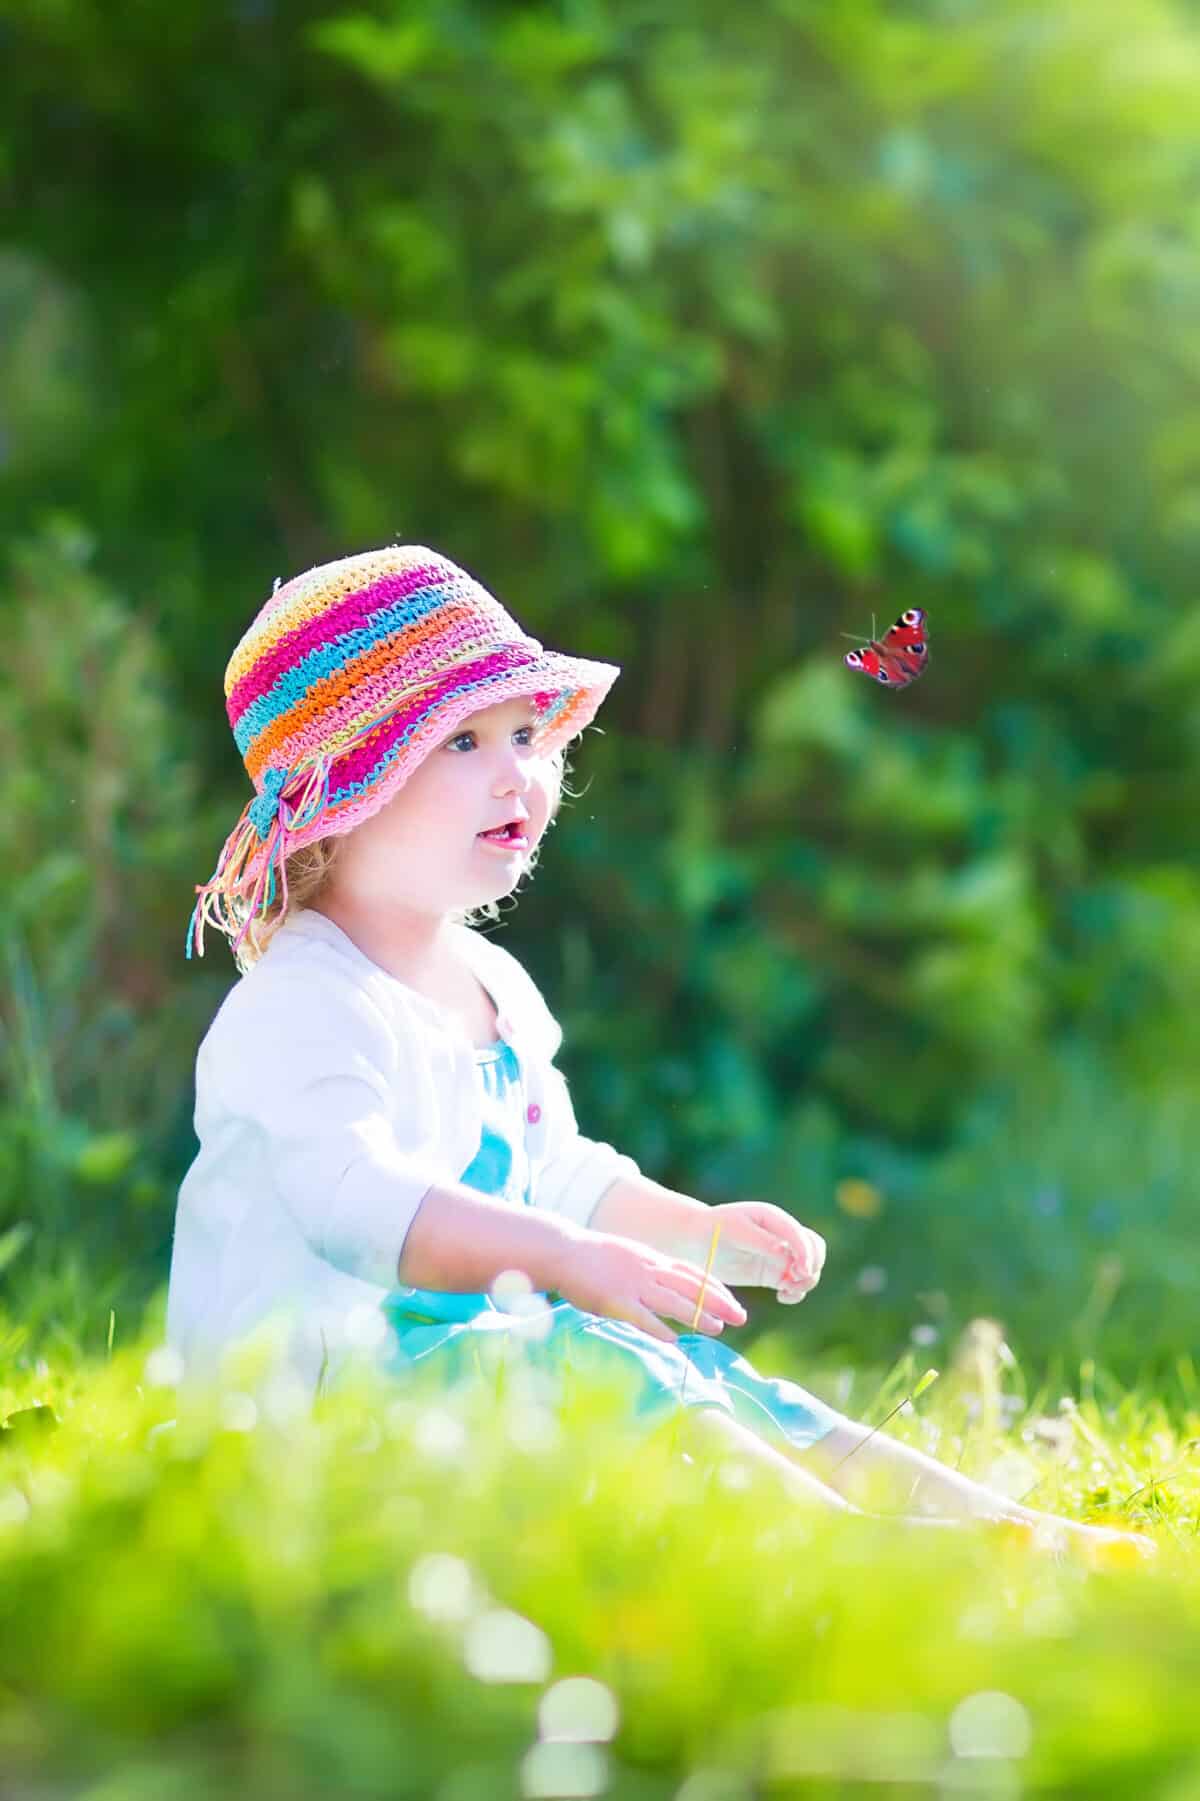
x: 666, y: 1300
x: 690, y: 1282
x: 810, y: 1259
x: 770, y: 1240
x: 639, y: 1315
x: 689, y: 1267
x: 749, y: 1235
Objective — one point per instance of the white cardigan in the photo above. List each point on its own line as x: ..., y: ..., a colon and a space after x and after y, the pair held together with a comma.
x: 330, y: 1097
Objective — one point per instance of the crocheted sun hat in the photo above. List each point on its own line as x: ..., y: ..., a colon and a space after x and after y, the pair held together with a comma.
x: 345, y: 681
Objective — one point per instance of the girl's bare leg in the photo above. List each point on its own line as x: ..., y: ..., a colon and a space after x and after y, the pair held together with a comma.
x: 711, y: 1434
x: 715, y: 1436
x: 883, y: 1472
x: 889, y: 1474
x: 878, y: 1471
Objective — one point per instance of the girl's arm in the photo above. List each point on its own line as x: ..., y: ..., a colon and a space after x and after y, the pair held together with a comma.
x: 636, y: 1207
x: 461, y: 1240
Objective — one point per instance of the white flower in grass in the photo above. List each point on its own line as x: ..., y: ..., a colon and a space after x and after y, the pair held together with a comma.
x: 990, y: 1724
x: 442, y: 1587
x: 502, y: 1646
x: 439, y: 1434
x: 579, y: 1708
x: 563, y: 1772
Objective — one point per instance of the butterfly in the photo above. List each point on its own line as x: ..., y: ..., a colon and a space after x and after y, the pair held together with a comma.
x: 897, y: 658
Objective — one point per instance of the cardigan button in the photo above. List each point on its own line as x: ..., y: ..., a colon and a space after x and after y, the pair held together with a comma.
x: 533, y: 1113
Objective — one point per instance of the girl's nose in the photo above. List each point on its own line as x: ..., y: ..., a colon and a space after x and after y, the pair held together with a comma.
x: 515, y: 775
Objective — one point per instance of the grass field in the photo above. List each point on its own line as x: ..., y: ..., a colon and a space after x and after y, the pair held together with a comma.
x: 478, y: 1597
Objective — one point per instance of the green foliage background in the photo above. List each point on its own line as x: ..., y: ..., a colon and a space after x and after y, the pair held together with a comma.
x: 702, y: 335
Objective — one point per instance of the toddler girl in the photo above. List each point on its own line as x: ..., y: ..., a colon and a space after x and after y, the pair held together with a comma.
x: 387, y: 1150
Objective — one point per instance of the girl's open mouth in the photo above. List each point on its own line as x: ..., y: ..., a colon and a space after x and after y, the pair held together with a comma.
x: 510, y: 837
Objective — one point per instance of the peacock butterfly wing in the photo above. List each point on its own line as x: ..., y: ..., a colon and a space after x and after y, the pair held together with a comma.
x: 899, y: 657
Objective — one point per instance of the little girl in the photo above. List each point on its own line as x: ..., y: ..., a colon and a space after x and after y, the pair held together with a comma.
x: 387, y: 1149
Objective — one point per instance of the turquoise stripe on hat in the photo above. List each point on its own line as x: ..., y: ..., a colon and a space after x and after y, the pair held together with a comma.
x: 295, y: 683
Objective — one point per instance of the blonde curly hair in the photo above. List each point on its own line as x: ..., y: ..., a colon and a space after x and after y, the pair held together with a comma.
x: 310, y: 869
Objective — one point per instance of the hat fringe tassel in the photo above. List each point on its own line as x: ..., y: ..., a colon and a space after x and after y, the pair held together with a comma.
x: 242, y: 887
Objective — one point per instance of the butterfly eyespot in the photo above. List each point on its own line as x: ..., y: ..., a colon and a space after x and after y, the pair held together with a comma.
x: 912, y: 617
x: 883, y: 676
x: 854, y: 659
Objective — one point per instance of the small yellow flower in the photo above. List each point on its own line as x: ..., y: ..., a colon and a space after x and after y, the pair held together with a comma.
x: 861, y: 1200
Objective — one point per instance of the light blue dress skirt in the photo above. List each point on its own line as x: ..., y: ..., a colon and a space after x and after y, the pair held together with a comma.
x: 465, y: 1336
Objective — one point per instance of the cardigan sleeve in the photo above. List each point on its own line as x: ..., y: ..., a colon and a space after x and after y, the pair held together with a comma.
x: 577, y: 1170
x: 309, y: 1063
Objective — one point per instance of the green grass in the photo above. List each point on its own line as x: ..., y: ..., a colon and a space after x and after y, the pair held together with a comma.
x: 399, y: 1594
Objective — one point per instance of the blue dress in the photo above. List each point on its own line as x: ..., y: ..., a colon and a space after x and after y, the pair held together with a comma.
x: 468, y: 1335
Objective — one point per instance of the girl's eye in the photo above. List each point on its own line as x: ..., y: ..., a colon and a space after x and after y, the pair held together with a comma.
x: 523, y: 731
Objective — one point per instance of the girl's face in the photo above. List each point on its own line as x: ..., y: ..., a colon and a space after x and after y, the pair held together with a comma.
x: 425, y: 849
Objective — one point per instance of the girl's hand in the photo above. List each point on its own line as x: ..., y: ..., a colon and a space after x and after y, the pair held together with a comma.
x: 761, y: 1246
x: 622, y: 1279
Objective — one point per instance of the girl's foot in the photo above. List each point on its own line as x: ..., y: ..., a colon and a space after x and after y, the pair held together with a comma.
x: 1112, y: 1547
x: 1102, y: 1547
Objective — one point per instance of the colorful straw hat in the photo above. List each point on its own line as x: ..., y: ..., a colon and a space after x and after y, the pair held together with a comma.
x: 346, y: 680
